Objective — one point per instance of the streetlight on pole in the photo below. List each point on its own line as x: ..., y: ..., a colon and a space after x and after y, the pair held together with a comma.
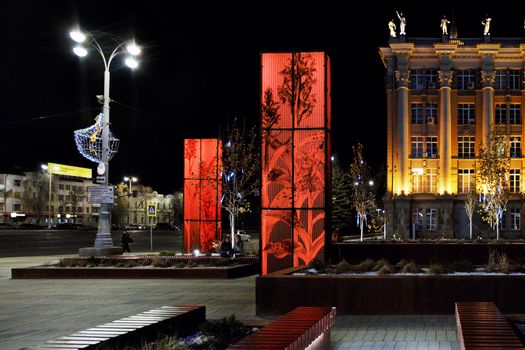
x: 130, y: 179
x: 103, y: 240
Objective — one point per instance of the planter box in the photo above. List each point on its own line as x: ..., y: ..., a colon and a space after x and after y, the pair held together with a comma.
x: 281, y: 292
x: 423, y: 253
x: 135, y: 272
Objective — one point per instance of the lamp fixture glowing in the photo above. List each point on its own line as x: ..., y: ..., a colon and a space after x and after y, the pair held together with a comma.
x: 77, y: 36
x: 131, y: 62
x: 133, y: 49
x: 196, y: 252
x: 80, y: 51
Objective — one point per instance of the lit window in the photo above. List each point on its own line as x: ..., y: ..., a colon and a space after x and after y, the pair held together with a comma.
x: 515, y: 146
x: 466, y: 114
x: 466, y: 180
x: 431, y: 113
x: 417, y: 219
x: 432, y: 147
x: 417, y: 147
x: 466, y: 146
x: 430, y: 180
x: 515, y: 79
x: 501, y: 79
x: 500, y: 115
x: 514, y: 180
x: 431, y: 219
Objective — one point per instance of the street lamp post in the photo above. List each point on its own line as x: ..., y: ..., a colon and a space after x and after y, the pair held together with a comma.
x: 103, y: 241
x: 130, y: 179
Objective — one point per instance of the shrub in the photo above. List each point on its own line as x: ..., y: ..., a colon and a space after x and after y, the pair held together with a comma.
x: 461, y: 266
x: 436, y: 269
x: 365, y: 266
x: 167, y: 253
x: 146, y: 262
x: 386, y: 269
x: 491, y: 262
x: 411, y: 267
x: 158, y: 262
x: 224, y: 332
x: 401, y: 264
x: 503, y: 263
x: 343, y: 267
x: 317, y: 264
x: 380, y: 263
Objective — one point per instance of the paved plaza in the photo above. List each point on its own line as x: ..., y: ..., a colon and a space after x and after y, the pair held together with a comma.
x: 33, y: 311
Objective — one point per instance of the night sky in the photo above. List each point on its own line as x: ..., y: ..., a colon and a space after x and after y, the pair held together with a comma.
x: 200, y: 67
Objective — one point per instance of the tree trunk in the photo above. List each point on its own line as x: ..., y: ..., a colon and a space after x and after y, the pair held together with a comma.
x: 362, y: 227
x: 232, y: 227
x: 497, y: 227
x: 470, y: 228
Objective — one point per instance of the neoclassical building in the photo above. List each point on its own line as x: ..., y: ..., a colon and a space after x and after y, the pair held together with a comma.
x: 443, y: 97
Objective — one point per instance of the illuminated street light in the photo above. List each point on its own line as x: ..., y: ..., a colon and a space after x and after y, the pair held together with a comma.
x: 103, y: 241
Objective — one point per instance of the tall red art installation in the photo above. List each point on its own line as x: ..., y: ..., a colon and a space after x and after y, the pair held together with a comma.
x: 296, y: 171
x: 202, y: 192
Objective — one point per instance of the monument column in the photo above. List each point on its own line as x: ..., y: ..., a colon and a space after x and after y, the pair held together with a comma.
x: 403, y: 81
x: 445, y: 131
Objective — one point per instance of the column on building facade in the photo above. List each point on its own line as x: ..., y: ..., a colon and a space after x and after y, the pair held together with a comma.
x: 403, y: 80
x: 445, y: 131
x: 487, y: 80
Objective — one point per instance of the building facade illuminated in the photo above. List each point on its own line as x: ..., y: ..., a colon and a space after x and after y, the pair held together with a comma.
x: 443, y: 97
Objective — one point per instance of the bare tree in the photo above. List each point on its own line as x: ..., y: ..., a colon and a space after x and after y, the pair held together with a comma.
x: 470, y: 207
x: 75, y: 197
x: 35, y: 196
x: 240, y: 171
x: 121, y: 206
x: 363, y: 193
x: 492, y: 169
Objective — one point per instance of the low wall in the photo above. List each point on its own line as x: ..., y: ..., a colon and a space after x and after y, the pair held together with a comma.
x: 423, y: 253
x: 135, y: 272
x: 281, y: 292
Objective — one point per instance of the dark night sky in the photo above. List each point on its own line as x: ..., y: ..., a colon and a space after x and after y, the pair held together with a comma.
x: 199, y: 68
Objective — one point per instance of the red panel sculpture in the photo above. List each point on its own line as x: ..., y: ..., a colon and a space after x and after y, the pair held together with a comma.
x: 295, y: 152
x: 202, y: 191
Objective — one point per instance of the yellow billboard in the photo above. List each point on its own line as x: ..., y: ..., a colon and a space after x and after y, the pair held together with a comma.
x: 69, y: 170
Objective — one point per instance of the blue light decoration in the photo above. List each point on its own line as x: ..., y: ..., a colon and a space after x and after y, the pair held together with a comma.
x: 89, y: 141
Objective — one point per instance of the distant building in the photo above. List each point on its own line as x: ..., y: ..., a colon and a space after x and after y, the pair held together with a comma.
x: 443, y: 96
x: 136, y: 209
x: 24, y: 198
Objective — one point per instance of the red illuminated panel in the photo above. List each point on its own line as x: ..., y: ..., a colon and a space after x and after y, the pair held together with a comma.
x: 295, y: 131
x: 202, y: 192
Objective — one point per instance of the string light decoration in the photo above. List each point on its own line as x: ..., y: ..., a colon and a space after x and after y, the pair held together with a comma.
x: 89, y: 141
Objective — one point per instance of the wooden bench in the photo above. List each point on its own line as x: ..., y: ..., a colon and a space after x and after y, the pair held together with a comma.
x: 177, y: 320
x: 480, y: 325
x: 301, y: 328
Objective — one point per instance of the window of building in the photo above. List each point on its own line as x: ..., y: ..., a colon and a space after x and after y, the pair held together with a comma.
x: 61, y: 197
x: 515, y: 146
x: 417, y: 79
x: 17, y: 183
x: 34, y: 195
x: 514, y: 180
x: 79, y: 209
x: 52, y: 196
x: 515, y: 79
x: 1, y: 206
x: 514, y: 113
x: 68, y: 187
x: 417, y: 147
x: 61, y: 186
x: 18, y: 195
x: 466, y: 114
x: 417, y: 180
x: 466, y: 79
x: 68, y: 198
x: 466, y: 180
x: 52, y: 208
x: 417, y: 219
x: 431, y: 113
x: 68, y: 209
x: 500, y: 115
x: 431, y: 219
x: 466, y: 146
x: 94, y: 209
x: 432, y: 147
x: 515, y: 219
x: 503, y: 221
x: 431, y: 78
x: 17, y: 207
x: 501, y: 79
x: 417, y: 113
x: 60, y: 209
x: 430, y: 180
x: 87, y: 210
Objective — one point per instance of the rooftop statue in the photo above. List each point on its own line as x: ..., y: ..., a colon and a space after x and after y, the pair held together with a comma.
x: 443, y: 25
x: 392, y: 27
x: 486, y: 23
x: 402, y: 23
